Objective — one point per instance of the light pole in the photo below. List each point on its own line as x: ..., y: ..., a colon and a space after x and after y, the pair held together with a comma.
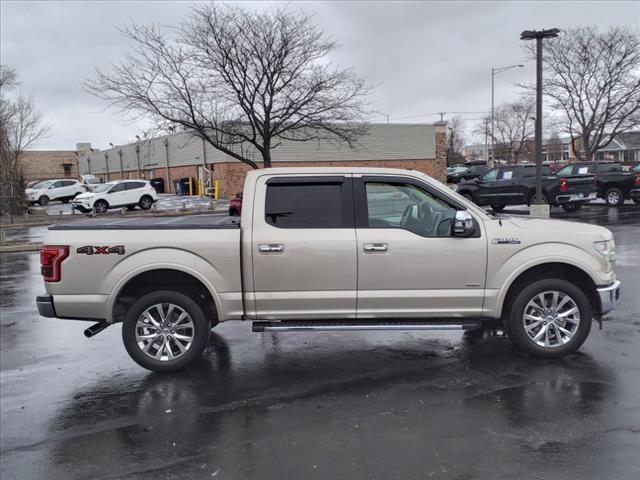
x: 538, y: 35
x: 495, y: 71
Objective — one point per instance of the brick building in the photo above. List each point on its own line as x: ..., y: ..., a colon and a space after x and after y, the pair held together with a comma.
x: 46, y: 164
x: 413, y: 146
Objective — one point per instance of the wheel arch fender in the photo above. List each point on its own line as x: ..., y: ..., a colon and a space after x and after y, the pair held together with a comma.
x: 566, y: 261
x: 147, y: 261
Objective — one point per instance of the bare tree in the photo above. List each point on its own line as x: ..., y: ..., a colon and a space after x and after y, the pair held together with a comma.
x: 240, y: 79
x: 513, y: 129
x: 554, y: 147
x: 593, y: 78
x: 21, y: 127
x: 455, y: 141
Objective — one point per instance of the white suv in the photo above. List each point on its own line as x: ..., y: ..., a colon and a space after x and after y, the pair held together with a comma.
x: 117, y: 194
x: 63, y: 190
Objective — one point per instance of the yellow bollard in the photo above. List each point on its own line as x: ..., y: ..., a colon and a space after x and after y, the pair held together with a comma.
x: 216, y: 183
x: 200, y: 187
x: 190, y: 186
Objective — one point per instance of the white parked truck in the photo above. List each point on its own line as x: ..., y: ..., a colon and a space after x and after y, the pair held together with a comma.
x: 339, y: 249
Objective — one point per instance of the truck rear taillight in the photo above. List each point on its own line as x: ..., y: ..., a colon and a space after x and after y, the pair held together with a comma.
x: 51, y: 256
x: 636, y: 179
x: 563, y: 184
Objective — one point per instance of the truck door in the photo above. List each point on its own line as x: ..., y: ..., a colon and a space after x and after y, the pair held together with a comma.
x: 409, y: 264
x: 507, y: 190
x: 486, y: 187
x: 304, y: 248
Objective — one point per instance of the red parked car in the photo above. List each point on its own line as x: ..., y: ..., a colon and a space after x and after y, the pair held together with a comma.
x: 235, y: 205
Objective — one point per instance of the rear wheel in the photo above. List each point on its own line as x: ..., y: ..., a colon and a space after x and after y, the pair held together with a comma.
x: 43, y: 200
x: 572, y: 207
x: 550, y: 318
x: 101, y: 206
x: 532, y: 199
x: 146, y: 202
x: 614, y: 197
x: 165, y: 331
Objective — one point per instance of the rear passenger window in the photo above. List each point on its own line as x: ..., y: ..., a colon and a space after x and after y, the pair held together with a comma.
x: 134, y: 185
x: 307, y: 205
x: 609, y: 167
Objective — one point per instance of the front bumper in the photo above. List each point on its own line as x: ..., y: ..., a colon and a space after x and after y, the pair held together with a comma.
x: 576, y: 197
x: 45, y: 306
x: 609, y: 297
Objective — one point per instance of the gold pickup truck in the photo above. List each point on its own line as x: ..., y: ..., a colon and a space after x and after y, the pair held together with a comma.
x: 320, y: 249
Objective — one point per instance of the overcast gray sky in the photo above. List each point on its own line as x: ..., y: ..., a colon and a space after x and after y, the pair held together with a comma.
x: 423, y: 57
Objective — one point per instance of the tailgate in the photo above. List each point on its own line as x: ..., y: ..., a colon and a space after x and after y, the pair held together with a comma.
x: 580, y: 184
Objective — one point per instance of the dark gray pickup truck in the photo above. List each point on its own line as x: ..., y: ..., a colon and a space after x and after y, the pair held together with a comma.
x: 516, y: 185
x: 613, y: 184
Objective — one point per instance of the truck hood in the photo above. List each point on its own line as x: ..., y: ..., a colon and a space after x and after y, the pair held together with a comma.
x: 561, y: 229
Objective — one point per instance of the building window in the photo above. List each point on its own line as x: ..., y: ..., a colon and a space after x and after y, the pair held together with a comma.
x: 67, y: 168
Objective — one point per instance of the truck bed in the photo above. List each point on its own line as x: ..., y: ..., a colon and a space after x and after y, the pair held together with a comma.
x: 187, y: 222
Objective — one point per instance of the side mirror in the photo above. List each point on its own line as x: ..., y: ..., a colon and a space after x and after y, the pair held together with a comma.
x: 463, y: 225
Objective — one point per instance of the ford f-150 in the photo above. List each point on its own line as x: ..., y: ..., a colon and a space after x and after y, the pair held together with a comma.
x: 331, y: 249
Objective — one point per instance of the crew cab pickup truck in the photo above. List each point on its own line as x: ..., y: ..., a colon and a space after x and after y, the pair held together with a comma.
x: 516, y: 185
x: 336, y: 249
x: 612, y: 182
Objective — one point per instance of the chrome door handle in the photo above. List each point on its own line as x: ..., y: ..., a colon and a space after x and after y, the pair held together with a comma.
x: 375, y: 247
x: 270, y: 248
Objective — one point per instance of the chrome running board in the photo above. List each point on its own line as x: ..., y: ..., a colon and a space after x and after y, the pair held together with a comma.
x: 358, y: 325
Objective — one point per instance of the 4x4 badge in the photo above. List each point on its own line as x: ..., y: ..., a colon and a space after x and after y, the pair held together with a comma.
x: 97, y: 250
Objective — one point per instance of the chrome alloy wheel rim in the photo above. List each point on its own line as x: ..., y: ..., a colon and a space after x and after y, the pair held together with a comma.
x: 551, y: 319
x: 613, y: 197
x: 164, y: 332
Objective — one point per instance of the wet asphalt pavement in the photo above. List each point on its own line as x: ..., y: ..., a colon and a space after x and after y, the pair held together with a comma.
x: 324, y: 405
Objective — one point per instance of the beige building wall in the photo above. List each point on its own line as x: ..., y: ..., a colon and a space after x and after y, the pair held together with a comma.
x: 46, y: 164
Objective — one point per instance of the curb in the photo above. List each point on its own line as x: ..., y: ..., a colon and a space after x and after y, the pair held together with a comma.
x: 27, y: 247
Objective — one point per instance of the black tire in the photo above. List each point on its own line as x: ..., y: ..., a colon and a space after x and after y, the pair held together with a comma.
x: 43, y: 200
x: 497, y: 208
x: 613, y: 197
x: 146, y: 202
x: 101, y: 206
x: 201, y: 331
x: 571, y: 207
x: 637, y: 201
x: 532, y: 198
x: 517, y: 330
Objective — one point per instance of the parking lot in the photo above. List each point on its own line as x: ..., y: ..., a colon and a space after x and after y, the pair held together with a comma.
x: 324, y: 405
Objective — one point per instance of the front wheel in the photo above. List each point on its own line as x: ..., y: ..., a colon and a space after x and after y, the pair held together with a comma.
x: 572, y: 207
x: 43, y: 201
x: 101, y: 206
x: 165, y: 331
x: 550, y: 318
